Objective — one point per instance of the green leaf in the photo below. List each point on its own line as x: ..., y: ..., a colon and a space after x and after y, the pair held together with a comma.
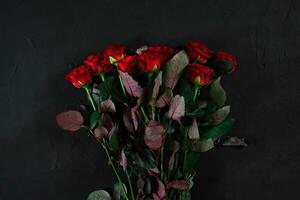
x: 118, y: 193
x: 99, y: 195
x: 219, y: 130
x: 202, y: 145
x: 217, y: 94
x: 190, y: 162
x: 223, y: 67
x: 114, y: 142
x: 220, y: 115
x: 185, y: 89
x: 111, y: 88
x: 94, y: 119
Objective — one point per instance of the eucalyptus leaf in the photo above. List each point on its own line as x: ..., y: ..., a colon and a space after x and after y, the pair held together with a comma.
x: 99, y: 195
x: 174, y: 68
x: 202, y: 145
x: 94, y: 119
x: 220, y: 115
x: 218, y: 130
x: 216, y: 93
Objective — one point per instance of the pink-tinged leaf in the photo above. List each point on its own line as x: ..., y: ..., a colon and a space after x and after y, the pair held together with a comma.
x: 154, y: 135
x: 165, y: 98
x: 108, y: 106
x: 155, y: 197
x: 174, y: 69
x: 123, y: 160
x: 157, y: 84
x: 128, y: 120
x: 70, y: 120
x: 194, y: 131
x: 178, y: 185
x: 141, y: 50
x: 100, y: 132
x: 176, y: 110
x: 134, y: 119
x: 132, y: 87
x: 176, y: 147
x: 161, y: 189
x: 106, y: 121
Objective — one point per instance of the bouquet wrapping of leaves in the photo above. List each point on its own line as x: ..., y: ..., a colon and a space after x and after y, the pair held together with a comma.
x: 152, y: 111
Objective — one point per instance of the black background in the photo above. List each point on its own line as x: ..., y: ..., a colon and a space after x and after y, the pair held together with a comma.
x: 41, y: 41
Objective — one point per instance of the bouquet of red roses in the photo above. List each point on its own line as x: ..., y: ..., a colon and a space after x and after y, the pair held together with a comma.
x: 152, y: 111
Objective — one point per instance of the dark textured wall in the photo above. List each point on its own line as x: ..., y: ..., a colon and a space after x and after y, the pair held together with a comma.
x: 40, y: 41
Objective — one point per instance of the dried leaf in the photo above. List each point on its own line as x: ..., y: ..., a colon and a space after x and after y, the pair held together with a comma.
x: 70, y: 120
x: 100, y: 132
x: 108, y: 106
x: 134, y: 119
x: 123, y: 160
x: 174, y: 68
x: 194, y: 131
x: 132, y: 87
x: 154, y: 135
x: 176, y: 110
x: 178, y: 185
x: 165, y: 98
x: 231, y: 142
x: 220, y: 115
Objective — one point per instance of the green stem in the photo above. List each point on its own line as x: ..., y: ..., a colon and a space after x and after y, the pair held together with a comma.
x: 185, y: 146
x: 122, y: 86
x: 130, y: 184
x: 90, y: 97
x: 162, y: 162
x: 102, y: 76
x: 196, y: 89
x: 145, y: 115
x: 153, y: 112
x: 115, y: 170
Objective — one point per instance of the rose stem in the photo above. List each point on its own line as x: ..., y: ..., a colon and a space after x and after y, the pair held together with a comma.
x: 90, y: 97
x: 130, y: 184
x: 114, y: 169
x: 122, y: 86
x: 145, y: 115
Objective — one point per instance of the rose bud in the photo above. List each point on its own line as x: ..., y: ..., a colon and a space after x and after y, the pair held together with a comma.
x: 80, y: 76
x: 97, y: 65
x: 114, y: 53
x: 150, y: 62
x: 166, y: 52
x: 200, y: 75
x: 198, y: 52
x: 225, y: 63
x: 127, y: 64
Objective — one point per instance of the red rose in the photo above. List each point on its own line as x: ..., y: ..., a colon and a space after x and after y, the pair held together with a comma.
x: 97, y: 65
x: 117, y: 52
x: 200, y: 74
x: 166, y: 52
x: 80, y: 76
x: 221, y: 57
x: 127, y: 64
x: 198, y: 52
x: 150, y: 62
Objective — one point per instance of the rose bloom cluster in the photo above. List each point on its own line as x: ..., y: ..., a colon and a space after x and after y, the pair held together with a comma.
x: 204, y: 65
